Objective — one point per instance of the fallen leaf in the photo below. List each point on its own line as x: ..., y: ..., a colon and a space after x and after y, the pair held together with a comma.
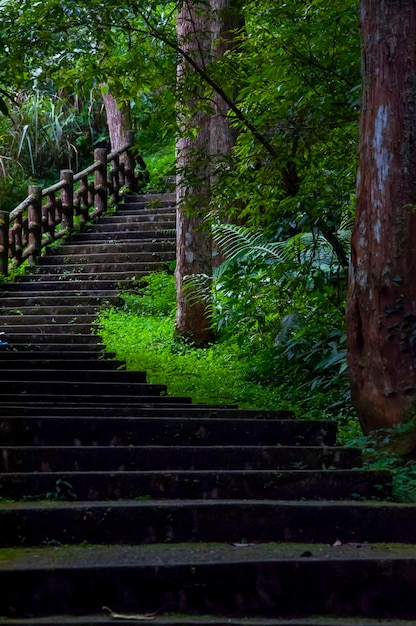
x: 136, y: 616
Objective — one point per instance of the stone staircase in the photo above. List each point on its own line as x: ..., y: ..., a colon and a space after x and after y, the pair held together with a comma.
x: 119, y: 501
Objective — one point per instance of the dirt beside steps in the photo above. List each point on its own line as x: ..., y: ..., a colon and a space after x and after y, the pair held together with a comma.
x: 118, y: 501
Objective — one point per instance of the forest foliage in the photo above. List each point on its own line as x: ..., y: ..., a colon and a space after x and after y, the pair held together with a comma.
x: 294, y: 78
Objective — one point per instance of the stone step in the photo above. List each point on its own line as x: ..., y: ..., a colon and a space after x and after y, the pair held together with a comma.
x: 28, y: 339
x: 53, y: 308
x: 139, y: 218
x: 113, y: 458
x: 141, y: 246
x: 140, y: 209
x: 32, y: 320
x: 202, y: 484
x: 47, y: 328
x: 45, y: 299
x: 108, y: 283
x: 103, y: 226
x: 265, y: 580
x: 38, y: 385
x: 85, y: 353
x: 228, y: 521
x: 43, y: 375
x: 105, y: 619
x: 150, y: 200
x: 199, y: 411
x: 140, y: 431
x: 119, y: 256
x: 95, y: 236
x: 86, y: 362
x: 19, y: 403
x: 96, y: 268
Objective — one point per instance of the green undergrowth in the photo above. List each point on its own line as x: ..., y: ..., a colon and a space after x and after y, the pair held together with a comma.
x: 141, y: 332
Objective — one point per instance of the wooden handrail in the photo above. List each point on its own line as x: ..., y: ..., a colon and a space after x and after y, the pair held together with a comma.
x: 43, y: 218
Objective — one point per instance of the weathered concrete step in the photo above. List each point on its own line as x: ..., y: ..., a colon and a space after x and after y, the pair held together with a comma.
x: 32, y: 320
x: 142, y: 431
x: 142, y: 246
x: 138, y: 209
x: 102, y: 267
x: 20, y: 361
x: 203, y: 484
x: 205, y: 620
x: 87, y: 354
x: 165, y: 237
x: 33, y: 339
x: 78, y: 388
x: 47, y: 328
x: 139, y: 218
x: 44, y: 299
x: 54, y: 309
x: 76, y: 283
x: 135, y: 256
x: 108, y: 376
x: 22, y: 402
x: 185, y: 411
x: 150, y: 200
x: 131, y: 227
x: 232, y: 521
x: 113, y: 458
x: 265, y: 580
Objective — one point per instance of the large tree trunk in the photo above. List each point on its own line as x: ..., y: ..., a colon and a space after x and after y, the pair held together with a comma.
x: 193, y: 163
x: 382, y: 291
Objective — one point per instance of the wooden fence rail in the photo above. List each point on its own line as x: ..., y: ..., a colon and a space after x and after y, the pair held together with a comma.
x: 49, y: 214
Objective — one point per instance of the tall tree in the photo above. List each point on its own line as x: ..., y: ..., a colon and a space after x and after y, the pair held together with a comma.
x: 382, y: 291
x: 193, y: 164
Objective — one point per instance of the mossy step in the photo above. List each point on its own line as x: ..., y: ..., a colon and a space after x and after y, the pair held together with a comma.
x: 44, y: 299
x: 132, y: 217
x: 105, y: 619
x: 117, y: 386
x: 95, y: 268
x: 123, y: 236
x: 266, y: 580
x: 32, y: 319
x: 150, y: 200
x: 204, y: 411
x: 233, y: 521
x: 121, y: 227
x: 203, y: 484
x: 47, y: 328
x: 142, y: 430
x: 144, y: 246
x: 60, y: 375
x: 78, y: 282
x: 119, y: 256
x: 173, y: 457
x: 84, y: 364
x: 39, y: 338
x: 84, y: 353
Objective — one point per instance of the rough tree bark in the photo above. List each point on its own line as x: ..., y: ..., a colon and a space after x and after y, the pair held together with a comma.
x: 118, y: 119
x: 381, y: 313
x: 193, y: 240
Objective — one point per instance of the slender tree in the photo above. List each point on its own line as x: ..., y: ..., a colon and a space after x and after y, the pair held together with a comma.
x: 193, y: 163
x: 382, y: 290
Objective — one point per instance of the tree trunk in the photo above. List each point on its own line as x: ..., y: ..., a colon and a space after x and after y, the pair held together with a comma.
x: 193, y: 163
x: 381, y: 312
x: 118, y: 119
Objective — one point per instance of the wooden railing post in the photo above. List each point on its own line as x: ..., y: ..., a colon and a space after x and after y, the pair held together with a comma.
x: 100, y: 199
x: 4, y: 242
x: 67, y: 199
x: 35, y: 222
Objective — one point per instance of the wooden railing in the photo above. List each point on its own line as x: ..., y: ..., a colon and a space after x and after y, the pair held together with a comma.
x: 49, y: 214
